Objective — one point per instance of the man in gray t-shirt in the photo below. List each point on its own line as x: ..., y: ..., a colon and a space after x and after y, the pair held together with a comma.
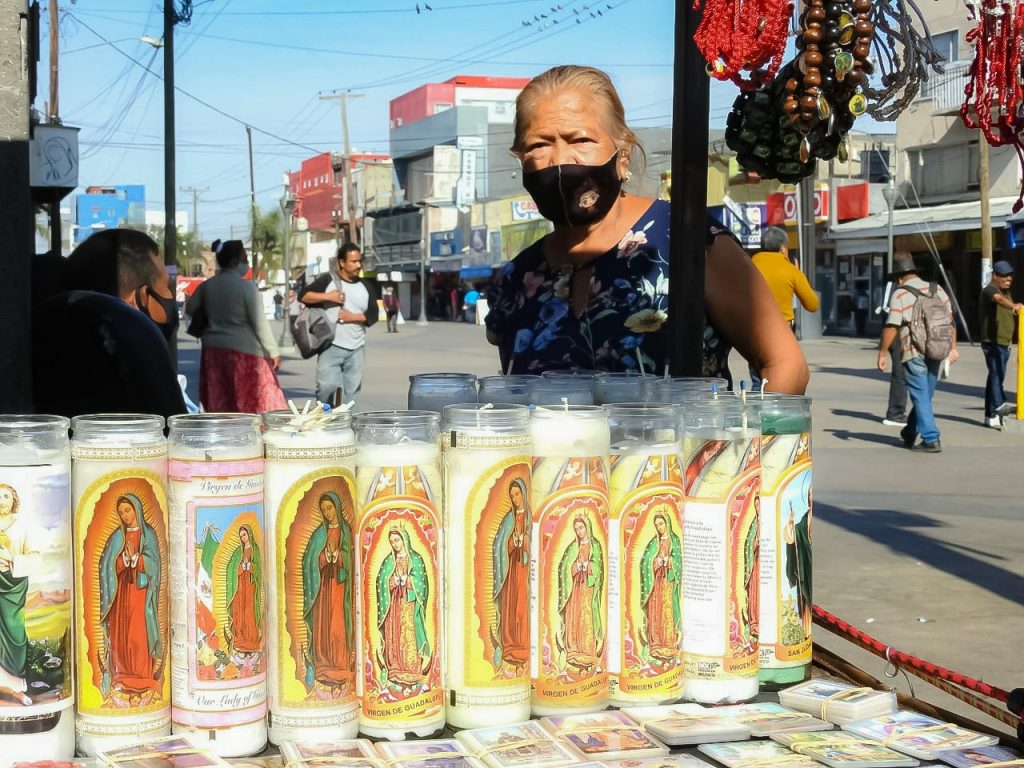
x: 352, y: 303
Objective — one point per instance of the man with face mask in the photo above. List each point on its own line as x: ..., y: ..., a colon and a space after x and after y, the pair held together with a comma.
x: 100, y: 346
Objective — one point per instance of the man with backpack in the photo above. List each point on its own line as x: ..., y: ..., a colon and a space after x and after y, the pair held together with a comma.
x: 922, y: 315
x: 350, y: 302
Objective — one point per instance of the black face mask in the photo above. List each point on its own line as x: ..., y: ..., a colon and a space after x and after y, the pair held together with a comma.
x: 168, y: 305
x: 575, y: 194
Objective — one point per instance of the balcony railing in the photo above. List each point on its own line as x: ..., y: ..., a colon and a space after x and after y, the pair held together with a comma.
x: 947, y: 90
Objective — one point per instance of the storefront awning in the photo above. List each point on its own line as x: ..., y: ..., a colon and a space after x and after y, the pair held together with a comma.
x: 949, y: 217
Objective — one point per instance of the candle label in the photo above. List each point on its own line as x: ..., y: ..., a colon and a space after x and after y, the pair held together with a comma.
x: 399, y: 599
x: 645, y: 573
x: 315, y: 550
x: 35, y: 597
x: 221, y: 680
x: 122, y: 619
x: 569, y: 581
x: 786, y: 503
x: 720, y: 571
x: 497, y: 576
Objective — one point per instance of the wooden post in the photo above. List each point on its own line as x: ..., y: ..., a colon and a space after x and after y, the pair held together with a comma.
x: 984, y: 185
x: 688, y: 219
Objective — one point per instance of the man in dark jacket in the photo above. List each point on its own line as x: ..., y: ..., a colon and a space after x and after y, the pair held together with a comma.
x: 352, y: 303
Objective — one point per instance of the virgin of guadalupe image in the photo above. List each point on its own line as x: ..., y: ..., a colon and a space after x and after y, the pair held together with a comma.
x: 13, y: 592
x: 327, y: 597
x: 661, y: 573
x: 244, y: 591
x: 580, y: 580
x: 799, y: 571
x: 131, y: 664
x: 751, y: 587
x: 511, y: 563
x: 402, y: 593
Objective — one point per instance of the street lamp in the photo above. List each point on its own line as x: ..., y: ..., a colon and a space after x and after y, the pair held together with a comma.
x: 889, y: 193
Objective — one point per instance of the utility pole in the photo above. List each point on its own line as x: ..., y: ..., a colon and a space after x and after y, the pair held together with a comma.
x: 54, y: 119
x: 252, y: 210
x: 984, y: 183
x: 54, y: 105
x: 170, y: 186
x: 342, y: 99
x: 16, y: 229
x: 195, y: 192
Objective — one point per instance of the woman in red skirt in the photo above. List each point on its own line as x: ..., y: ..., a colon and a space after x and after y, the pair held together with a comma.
x: 238, y: 368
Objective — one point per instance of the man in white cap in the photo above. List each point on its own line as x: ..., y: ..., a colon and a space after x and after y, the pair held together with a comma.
x: 997, y: 310
x: 920, y: 364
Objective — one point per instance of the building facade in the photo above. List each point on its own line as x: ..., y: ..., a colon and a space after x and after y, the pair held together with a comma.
x: 108, y: 207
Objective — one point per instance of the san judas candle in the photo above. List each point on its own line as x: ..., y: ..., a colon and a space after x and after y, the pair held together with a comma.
x: 122, y: 561
x: 569, y: 553
x: 786, y: 507
x: 218, y: 589
x: 399, y: 598
x: 722, y: 475
x: 37, y: 719
x: 310, y: 509
x: 645, y: 546
x: 487, y: 564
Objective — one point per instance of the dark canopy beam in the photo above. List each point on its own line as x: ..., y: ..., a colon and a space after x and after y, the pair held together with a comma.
x: 690, y: 107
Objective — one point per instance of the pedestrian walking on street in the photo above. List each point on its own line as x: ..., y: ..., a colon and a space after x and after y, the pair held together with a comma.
x: 896, y: 412
x: 921, y: 314
x: 278, y: 304
x: 237, y: 370
x: 786, y: 281
x: 469, y: 305
x: 997, y: 311
x: 391, y: 308
x: 351, y: 302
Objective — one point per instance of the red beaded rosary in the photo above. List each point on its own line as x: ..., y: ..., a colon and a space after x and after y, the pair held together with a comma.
x: 737, y: 36
x: 994, y: 96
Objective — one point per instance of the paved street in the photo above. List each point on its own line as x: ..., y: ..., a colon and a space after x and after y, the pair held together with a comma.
x: 922, y: 551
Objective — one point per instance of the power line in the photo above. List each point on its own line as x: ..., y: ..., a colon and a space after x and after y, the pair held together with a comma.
x: 405, y: 9
x: 196, y: 99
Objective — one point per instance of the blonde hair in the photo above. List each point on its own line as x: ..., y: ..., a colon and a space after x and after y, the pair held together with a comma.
x: 573, y: 77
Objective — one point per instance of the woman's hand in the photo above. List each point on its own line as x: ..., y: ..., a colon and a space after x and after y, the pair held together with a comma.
x: 275, y: 362
x: 742, y: 307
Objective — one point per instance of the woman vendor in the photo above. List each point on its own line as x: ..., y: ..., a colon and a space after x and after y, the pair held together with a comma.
x: 593, y: 293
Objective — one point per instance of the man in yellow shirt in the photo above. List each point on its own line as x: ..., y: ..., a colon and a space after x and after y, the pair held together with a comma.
x: 784, y: 279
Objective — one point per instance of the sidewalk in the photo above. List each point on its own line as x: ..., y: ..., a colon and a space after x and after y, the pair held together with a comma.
x: 923, y: 551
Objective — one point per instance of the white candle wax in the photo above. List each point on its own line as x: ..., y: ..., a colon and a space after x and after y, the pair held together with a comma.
x: 399, y: 643
x: 218, y: 664
x: 722, y: 474
x: 310, y: 508
x: 487, y: 520
x: 37, y: 715
x: 569, y: 560
x: 122, y: 559
x: 645, y: 574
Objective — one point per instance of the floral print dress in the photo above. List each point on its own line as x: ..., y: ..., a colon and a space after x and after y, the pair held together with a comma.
x: 623, y: 327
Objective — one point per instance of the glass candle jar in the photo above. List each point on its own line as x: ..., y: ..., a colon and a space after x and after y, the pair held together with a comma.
x: 562, y: 390
x: 645, y: 619
x: 612, y: 388
x: 400, y: 658
x: 433, y: 391
x: 721, y: 454
x: 218, y: 556
x: 570, y: 547
x: 786, y: 509
x: 681, y: 389
x: 506, y: 389
x: 35, y: 522
x: 122, y: 567
x: 311, y: 515
x: 487, y: 561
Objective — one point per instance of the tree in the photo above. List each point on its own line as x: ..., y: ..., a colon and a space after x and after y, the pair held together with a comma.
x: 190, y: 250
x: 267, y: 240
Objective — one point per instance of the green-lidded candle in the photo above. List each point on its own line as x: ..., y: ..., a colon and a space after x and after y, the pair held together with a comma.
x: 786, y: 574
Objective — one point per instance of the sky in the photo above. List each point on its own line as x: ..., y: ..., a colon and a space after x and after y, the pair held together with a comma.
x: 264, y: 63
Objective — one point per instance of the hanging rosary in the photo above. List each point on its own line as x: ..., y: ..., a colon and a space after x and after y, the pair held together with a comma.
x: 994, y: 96
x: 904, y: 56
x: 737, y: 36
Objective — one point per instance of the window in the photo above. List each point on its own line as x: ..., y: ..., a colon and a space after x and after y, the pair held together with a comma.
x: 945, y: 170
x: 948, y: 45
